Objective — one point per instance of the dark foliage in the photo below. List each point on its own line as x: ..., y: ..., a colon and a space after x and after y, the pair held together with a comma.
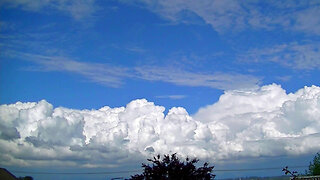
x: 314, y: 167
x: 288, y: 172
x: 25, y: 178
x: 170, y: 167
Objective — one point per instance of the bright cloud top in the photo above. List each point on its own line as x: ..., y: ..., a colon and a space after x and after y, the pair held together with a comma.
x: 262, y: 122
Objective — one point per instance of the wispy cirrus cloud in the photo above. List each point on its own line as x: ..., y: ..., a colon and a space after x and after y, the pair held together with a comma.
x: 114, y: 76
x: 78, y: 9
x: 171, y: 96
x: 221, y: 15
x: 216, y: 80
x: 238, y: 15
x: 307, y: 20
x: 294, y: 55
x: 284, y: 78
x: 108, y: 75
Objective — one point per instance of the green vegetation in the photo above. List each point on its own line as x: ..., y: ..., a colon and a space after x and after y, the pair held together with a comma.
x: 25, y: 178
x: 170, y: 167
x: 314, y: 167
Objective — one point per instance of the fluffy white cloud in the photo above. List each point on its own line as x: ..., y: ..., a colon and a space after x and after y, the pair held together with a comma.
x: 262, y: 122
x: 266, y: 121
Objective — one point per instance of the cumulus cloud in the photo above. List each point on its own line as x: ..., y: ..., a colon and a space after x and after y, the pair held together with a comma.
x: 265, y: 121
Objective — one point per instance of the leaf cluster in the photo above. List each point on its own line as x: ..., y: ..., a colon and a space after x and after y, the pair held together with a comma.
x: 25, y: 178
x: 314, y: 167
x: 294, y: 174
x: 170, y: 167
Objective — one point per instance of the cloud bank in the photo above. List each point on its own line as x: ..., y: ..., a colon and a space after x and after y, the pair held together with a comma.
x: 250, y: 123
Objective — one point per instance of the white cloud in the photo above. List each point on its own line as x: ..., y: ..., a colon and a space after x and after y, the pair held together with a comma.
x: 307, y: 21
x: 216, y: 80
x: 294, y: 55
x: 78, y: 9
x: 104, y: 74
x: 113, y: 76
x: 172, y: 96
x: 221, y: 15
x: 284, y: 78
x: 267, y: 121
x: 238, y: 15
x: 249, y: 123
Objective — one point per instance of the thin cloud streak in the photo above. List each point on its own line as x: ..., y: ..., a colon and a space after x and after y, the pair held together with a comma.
x: 104, y: 74
x: 171, y: 97
x: 294, y: 55
x: 78, y: 9
x: 240, y: 15
x: 217, y: 80
x: 221, y: 15
x: 113, y: 76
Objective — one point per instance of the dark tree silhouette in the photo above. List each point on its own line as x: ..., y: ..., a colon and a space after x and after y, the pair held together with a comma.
x: 170, y: 167
x: 314, y: 167
x: 292, y: 173
x: 25, y: 178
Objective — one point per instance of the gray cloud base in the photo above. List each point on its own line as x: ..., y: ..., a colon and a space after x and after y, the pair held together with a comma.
x: 250, y: 123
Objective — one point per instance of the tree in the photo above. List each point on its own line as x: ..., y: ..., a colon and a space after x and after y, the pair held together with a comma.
x: 314, y: 167
x: 293, y: 174
x: 25, y: 178
x: 170, y: 167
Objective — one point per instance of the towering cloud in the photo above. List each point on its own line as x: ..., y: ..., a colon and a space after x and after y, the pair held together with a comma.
x: 261, y: 122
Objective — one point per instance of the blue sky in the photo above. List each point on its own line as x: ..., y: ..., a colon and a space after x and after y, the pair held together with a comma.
x: 126, y: 36
x: 193, y: 54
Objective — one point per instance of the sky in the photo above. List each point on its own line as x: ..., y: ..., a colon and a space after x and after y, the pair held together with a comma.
x: 93, y: 85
